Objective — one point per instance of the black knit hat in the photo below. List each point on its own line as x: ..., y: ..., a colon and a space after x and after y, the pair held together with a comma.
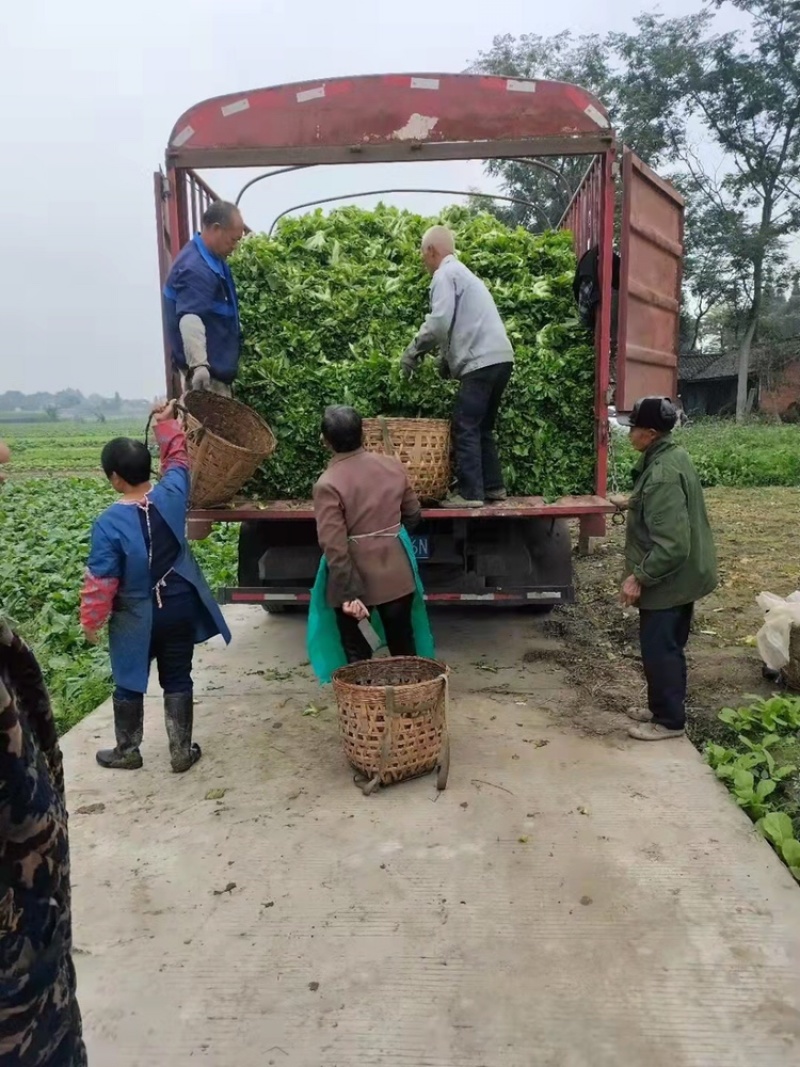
x: 652, y: 413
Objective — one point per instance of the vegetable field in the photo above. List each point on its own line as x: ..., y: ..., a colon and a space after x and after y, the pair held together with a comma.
x: 44, y: 447
x: 758, y: 453
x: 46, y: 523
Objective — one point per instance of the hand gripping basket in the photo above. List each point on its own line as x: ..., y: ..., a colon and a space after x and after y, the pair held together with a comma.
x: 227, y: 442
x: 421, y: 445
x: 393, y: 719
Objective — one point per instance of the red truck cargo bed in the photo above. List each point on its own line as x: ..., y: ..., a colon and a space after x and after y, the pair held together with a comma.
x: 514, y: 508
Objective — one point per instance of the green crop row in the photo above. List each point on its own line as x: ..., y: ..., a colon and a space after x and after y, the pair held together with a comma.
x: 46, y: 525
x: 725, y: 454
x: 760, y: 766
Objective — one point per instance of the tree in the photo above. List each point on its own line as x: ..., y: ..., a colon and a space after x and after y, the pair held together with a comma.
x: 722, y: 112
x: 583, y: 60
x: 737, y: 94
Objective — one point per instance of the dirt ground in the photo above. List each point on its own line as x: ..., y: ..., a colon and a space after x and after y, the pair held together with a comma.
x: 757, y: 547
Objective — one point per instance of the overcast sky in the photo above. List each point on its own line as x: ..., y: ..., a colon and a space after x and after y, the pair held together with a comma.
x: 91, y: 91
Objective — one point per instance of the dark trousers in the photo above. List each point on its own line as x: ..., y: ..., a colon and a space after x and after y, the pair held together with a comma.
x: 663, y: 635
x: 396, y: 619
x: 474, y: 418
x: 171, y: 643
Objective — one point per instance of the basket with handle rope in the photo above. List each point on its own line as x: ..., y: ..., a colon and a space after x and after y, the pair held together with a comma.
x: 421, y: 445
x: 227, y: 442
x: 393, y: 719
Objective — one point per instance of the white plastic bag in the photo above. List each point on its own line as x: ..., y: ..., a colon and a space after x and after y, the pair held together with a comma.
x: 780, y: 615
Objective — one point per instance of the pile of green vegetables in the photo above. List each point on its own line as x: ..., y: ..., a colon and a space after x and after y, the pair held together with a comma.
x: 330, y: 302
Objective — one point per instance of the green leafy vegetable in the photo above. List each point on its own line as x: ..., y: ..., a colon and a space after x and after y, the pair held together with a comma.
x: 329, y: 304
x: 46, y: 525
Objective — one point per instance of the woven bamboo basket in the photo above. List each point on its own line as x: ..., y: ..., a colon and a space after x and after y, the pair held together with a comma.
x: 227, y: 442
x: 792, y: 669
x: 421, y: 445
x: 393, y: 719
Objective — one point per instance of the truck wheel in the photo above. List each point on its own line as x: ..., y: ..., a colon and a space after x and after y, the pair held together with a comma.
x: 274, y: 609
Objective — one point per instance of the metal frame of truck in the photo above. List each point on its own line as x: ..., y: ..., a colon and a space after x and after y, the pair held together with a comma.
x: 518, y: 552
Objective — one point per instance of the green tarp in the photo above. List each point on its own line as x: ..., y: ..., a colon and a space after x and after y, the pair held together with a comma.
x: 324, y: 643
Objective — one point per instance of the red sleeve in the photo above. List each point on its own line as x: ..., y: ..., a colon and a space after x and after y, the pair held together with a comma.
x: 97, y: 600
x: 172, y: 444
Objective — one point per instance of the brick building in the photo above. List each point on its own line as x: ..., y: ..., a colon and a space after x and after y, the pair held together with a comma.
x: 707, y: 381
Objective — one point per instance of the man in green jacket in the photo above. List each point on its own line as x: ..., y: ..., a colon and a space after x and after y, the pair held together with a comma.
x: 670, y: 562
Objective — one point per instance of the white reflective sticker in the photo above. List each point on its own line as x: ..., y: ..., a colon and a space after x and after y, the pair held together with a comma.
x: 515, y: 86
x: 597, y: 116
x: 235, y: 108
x: 311, y: 94
x: 181, y: 138
x: 424, y: 83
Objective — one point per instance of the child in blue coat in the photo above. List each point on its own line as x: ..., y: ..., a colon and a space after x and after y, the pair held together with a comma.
x: 142, y: 579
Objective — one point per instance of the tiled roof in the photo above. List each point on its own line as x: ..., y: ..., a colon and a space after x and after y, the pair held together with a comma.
x: 707, y: 366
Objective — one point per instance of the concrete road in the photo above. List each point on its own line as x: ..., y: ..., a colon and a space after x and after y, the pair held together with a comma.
x: 570, y: 901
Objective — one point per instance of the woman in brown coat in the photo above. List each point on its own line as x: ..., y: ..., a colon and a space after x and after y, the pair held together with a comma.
x: 361, y: 503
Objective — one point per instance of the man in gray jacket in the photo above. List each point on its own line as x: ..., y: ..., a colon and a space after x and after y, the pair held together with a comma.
x: 465, y: 326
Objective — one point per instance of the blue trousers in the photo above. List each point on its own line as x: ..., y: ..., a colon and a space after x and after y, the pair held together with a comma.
x: 171, y: 643
x: 663, y: 634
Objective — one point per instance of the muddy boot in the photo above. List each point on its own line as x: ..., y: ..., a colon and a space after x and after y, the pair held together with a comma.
x: 179, y: 716
x: 128, y: 726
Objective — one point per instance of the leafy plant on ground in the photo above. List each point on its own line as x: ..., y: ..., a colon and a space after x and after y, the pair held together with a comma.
x: 46, y: 525
x: 329, y: 304
x: 756, y: 771
x: 778, y: 829
x: 726, y: 453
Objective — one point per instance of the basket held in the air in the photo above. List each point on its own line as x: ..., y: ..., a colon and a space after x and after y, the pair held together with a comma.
x: 227, y: 442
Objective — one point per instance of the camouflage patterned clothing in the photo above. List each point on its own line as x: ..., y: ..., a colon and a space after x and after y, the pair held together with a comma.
x: 40, y: 1022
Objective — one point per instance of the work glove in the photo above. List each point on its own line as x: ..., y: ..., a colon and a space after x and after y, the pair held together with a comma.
x: 201, y: 378
x: 443, y: 368
x: 409, y: 361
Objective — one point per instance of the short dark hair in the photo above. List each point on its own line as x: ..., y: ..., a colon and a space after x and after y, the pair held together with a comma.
x: 219, y: 213
x: 342, y: 428
x: 130, y: 459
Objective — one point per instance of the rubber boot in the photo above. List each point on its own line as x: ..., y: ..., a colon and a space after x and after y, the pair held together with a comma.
x: 128, y: 727
x: 179, y: 717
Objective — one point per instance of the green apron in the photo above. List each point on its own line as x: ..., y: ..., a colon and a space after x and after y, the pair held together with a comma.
x: 323, y: 641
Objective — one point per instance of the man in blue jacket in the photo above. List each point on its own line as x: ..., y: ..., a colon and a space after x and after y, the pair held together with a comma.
x: 200, y: 306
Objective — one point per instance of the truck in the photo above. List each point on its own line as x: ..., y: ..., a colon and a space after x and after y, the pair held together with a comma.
x: 518, y: 552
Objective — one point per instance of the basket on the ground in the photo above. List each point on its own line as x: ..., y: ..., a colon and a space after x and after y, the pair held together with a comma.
x: 393, y: 718
x: 792, y: 670
x: 421, y: 445
x: 227, y: 442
